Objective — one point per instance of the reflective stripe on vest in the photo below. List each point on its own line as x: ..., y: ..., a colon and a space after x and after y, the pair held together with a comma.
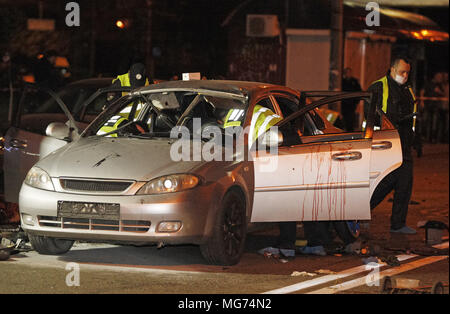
x: 415, y: 107
x: 233, y: 118
x: 262, y: 120
x: 111, y: 125
x: 384, y: 82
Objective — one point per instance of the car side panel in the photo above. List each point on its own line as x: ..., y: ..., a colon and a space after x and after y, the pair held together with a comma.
x: 309, y: 184
x: 386, y: 156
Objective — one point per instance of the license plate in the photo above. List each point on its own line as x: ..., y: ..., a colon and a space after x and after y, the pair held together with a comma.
x: 88, y: 210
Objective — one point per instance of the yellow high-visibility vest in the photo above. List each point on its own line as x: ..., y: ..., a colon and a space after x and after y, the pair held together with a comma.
x: 112, y: 124
x: 233, y: 118
x: 125, y: 81
x: 384, y: 82
x: 262, y: 119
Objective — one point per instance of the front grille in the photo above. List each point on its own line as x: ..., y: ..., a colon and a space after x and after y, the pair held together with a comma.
x: 137, y: 226
x: 94, y: 186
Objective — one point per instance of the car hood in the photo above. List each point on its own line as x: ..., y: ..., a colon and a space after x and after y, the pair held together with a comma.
x: 116, y: 158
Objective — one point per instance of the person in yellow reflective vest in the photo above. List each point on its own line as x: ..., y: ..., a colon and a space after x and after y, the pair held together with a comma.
x: 394, y: 96
x: 262, y: 119
x: 136, y: 77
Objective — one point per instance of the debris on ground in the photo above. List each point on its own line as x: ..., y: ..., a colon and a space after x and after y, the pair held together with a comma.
x: 287, y: 252
x: 282, y: 255
x: 302, y: 274
x: 391, y: 260
x: 13, y: 242
x: 312, y: 250
x: 325, y: 272
x: 352, y: 248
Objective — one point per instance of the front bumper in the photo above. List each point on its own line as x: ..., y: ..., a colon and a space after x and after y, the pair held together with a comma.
x: 140, y: 216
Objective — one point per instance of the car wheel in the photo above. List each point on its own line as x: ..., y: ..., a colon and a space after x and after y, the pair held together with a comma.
x: 50, y: 246
x: 348, y: 231
x: 226, y: 244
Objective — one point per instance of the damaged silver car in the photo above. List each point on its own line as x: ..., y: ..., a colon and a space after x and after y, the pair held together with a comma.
x: 153, y: 168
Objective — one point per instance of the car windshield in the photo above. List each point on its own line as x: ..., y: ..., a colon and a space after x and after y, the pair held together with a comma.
x: 159, y: 113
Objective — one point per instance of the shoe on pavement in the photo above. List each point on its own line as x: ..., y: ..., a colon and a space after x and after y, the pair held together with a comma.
x: 404, y: 230
x: 313, y: 250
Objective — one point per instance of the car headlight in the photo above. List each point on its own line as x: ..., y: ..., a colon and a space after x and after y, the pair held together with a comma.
x: 40, y: 179
x: 169, y: 184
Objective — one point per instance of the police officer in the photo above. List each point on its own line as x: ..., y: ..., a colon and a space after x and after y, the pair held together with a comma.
x: 134, y: 78
x: 394, y: 96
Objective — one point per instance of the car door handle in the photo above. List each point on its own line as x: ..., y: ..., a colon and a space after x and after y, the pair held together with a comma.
x: 382, y: 145
x: 15, y: 143
x: 347, y: 156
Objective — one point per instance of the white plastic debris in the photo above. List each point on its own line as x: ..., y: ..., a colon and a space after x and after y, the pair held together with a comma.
x: 302, y: 274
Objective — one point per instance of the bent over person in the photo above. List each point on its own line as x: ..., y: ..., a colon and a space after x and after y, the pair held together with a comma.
x: 136, y: 77
x: 393, y: 94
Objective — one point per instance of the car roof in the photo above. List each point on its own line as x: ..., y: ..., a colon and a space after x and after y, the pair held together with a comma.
x: 242, y: 88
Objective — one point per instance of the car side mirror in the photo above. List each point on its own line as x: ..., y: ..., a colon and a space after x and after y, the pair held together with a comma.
x: 58, y: 130
x: 272, y: 138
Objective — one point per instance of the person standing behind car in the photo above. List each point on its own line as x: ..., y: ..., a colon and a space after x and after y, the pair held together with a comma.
x: 349, y: 84
x: 394, y: 96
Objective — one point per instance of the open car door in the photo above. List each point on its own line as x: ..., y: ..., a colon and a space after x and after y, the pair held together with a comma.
x: 26, y: 141
x: 322, y: 172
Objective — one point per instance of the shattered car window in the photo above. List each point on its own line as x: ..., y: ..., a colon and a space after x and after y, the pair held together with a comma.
x: 158, y: 113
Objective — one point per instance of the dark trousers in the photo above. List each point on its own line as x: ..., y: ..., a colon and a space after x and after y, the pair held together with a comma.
x: 316, y: 233
x: 288, y: 234
x: 401, y: 181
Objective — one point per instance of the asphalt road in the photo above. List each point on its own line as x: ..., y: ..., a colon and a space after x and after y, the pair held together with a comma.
x: 180, y: 270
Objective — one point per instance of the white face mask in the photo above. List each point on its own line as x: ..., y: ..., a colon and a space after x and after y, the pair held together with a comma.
x: 400, y: 79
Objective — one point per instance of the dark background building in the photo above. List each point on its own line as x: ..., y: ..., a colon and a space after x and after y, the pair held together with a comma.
x: 175, y: 36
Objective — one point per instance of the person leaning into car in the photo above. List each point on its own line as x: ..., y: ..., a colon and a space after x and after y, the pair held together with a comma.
x: 393, y: 94
x: 136, y: 77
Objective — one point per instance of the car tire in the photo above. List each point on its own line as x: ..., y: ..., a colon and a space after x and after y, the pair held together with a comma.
x: 50, y: 246
x: 226, y: 244
x: 348, y: 231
